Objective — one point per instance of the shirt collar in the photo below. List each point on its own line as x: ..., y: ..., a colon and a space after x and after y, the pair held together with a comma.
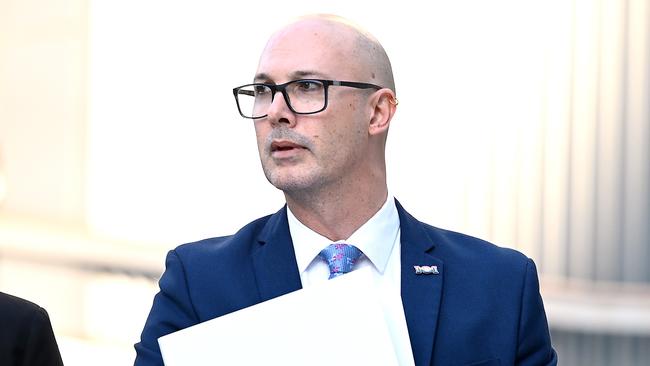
x: 375, y: 238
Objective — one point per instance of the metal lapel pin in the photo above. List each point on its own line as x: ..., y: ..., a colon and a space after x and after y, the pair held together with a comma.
x: 426, y: 269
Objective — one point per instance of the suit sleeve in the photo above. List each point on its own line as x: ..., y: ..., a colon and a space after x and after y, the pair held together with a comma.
x: 172, y: 310
x: 534, y: 341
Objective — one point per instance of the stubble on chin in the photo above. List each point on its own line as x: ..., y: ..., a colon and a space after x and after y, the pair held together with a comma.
x: 289, y: 182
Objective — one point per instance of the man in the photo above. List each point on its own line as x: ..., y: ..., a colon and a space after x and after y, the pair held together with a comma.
x: 321, y: 103
x: 26, y: 336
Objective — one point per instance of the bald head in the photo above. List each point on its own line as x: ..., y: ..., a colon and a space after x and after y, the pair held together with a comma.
x: 355, y: 50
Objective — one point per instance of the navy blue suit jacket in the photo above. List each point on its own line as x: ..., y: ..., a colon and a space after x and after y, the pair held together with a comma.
x: 484, y: 308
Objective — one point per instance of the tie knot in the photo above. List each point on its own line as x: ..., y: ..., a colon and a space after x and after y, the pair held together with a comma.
x: 340, y: 257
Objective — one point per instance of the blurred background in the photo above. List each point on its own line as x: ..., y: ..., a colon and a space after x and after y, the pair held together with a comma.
x: 526, y: 123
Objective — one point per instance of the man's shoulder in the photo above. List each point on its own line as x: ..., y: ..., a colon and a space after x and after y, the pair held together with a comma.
x: 17, y: 305
x: 454, y: 245
x: 238, y: 243
x: 475, y: 261
x: 15, y: 311
x: 463, y: 244
x: 472, y: 255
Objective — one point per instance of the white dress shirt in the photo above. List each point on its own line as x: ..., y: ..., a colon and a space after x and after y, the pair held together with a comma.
x: 378, y: 239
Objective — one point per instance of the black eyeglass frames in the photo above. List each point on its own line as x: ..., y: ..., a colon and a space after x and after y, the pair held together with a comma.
x: 303, y: 96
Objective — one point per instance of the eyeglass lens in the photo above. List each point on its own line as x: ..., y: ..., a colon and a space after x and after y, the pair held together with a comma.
x: 304, y: 96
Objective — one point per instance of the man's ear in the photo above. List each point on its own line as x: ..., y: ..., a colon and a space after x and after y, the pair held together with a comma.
x: 384, y: 105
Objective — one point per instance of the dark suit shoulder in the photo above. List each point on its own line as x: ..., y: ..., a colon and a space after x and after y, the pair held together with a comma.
x: 238, y: 243
x: 452, y: 240
x: 26, y: 336
x: 15, y: 311
x: 471, y: 258
x: 452, y: 246
x: 210, y: 269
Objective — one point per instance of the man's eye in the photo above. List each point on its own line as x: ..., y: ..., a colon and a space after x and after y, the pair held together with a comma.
x: 307, y: 85
x: 261, y: 89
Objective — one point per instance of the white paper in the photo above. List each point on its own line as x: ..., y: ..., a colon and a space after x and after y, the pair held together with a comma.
x: 313, y: 326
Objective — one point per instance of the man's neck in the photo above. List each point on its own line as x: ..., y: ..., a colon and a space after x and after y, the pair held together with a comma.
x: 337, y: 214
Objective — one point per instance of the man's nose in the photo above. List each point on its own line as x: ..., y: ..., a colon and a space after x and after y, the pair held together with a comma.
x: 279, y: 112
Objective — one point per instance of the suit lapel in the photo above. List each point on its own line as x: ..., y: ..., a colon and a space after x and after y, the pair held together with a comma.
x: 274, y: 260
x: 421, y: 293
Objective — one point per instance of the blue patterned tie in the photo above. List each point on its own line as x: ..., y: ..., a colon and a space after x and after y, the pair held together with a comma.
x: 340, y: 257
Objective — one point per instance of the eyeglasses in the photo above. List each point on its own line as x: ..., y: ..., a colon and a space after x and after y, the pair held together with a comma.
x: 304, y: 96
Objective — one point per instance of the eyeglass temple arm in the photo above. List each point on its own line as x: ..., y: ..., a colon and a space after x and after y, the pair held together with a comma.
x: 355, y: 84
x: 246, y: 92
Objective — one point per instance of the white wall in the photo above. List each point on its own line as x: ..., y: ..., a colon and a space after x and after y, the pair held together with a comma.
x: 170, y: 159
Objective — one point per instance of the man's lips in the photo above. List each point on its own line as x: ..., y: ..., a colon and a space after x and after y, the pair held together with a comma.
x: 285, y: 150
x: 280, y: 146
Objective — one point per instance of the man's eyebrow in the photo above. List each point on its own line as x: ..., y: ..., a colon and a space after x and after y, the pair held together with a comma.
x: 262, y: 77
x: 299, y: 74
